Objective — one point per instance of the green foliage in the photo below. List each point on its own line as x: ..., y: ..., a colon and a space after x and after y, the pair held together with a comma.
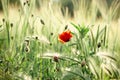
x: 83, y: 30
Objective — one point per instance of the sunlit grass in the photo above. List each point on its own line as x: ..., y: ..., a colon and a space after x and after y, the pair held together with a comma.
x: 30, y: 49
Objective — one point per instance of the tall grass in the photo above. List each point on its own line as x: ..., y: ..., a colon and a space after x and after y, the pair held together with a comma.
x: 30, y: 49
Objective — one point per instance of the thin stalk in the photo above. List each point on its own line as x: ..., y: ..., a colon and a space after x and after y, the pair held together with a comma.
x: 8, y: 33
x: 105, y: 32
x: 101, y: 77
x: 5, y: 10
x: 94, y: 43
x: 77, y: 74
x: 115, y: 40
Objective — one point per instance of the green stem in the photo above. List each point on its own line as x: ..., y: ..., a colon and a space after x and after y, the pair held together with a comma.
x: 8, y: 33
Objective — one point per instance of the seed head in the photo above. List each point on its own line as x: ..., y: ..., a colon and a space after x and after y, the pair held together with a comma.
x: 1, y: 61
x: 11, y: 25
x: 50, y: 44
x: 27, y: 42
x: 12, y: 37
x: 18, y: 10
x: 36, y: 37
x: 51, y: 33
x: 27, y: 1
x: 56, y: 58
x: 23, y: 59
x: 66, y: 27
x: 99, y: 45
x: 27, y: 49
x: 3, y: 20
x: 28, y: 4
x: 24, y: 3
x: 57, y: 69
x: 83, y: 63
x: 42, y: 22
x: 32, y: 15
x: 101, y: 41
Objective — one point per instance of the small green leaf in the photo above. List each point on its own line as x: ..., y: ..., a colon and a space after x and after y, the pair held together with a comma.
x: 76, y: 26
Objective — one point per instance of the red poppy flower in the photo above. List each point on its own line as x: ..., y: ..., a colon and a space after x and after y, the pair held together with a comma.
x: 65, y: 36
